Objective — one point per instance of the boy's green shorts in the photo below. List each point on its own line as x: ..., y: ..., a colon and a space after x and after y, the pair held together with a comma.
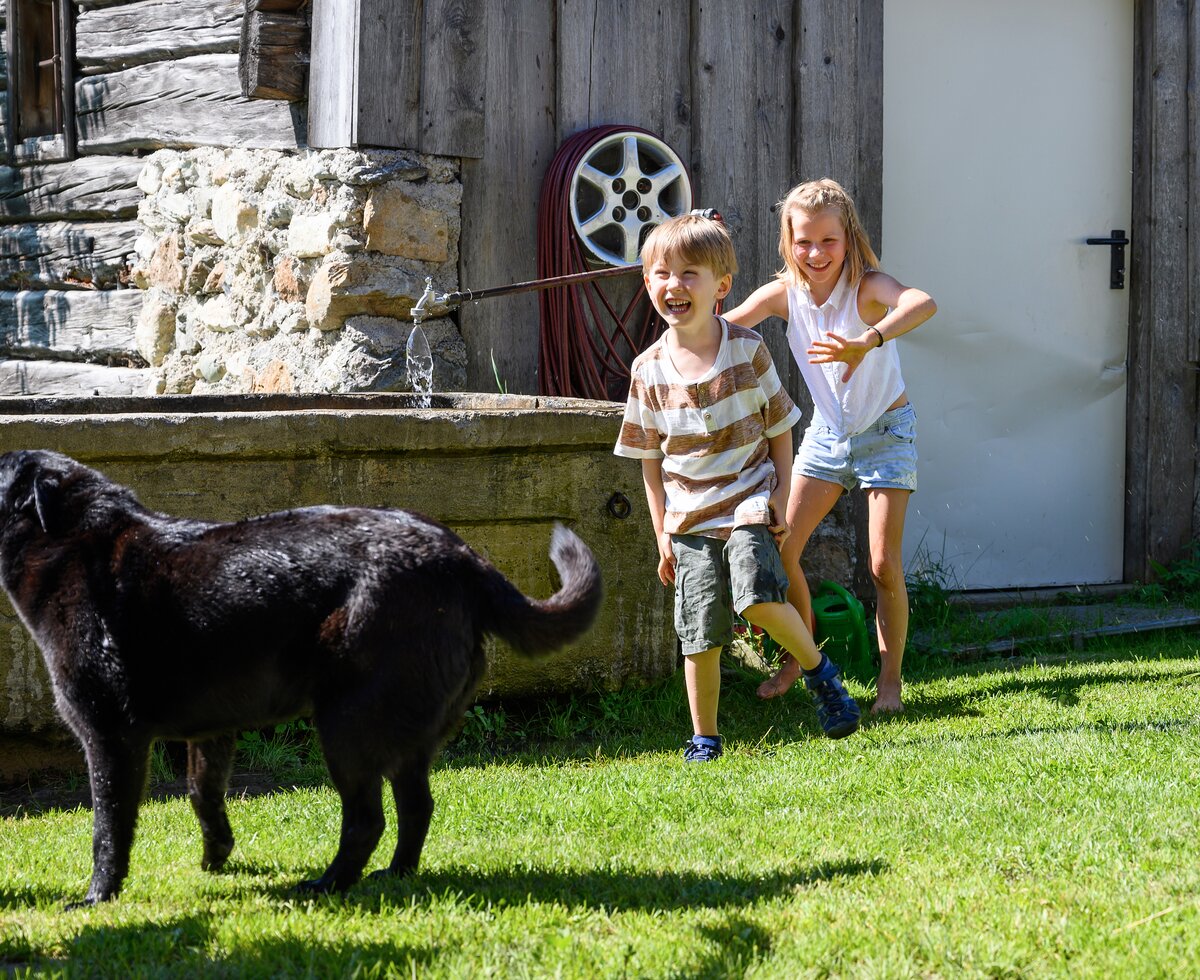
x: 715, y: 578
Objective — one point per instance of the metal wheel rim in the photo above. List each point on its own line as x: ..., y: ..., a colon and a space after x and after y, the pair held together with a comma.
x: 625, y: 185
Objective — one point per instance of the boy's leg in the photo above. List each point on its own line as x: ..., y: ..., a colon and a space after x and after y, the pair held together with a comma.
x: 704, y: 623
x: 702, y: 673
x: 836, y: 709
x: 886, y: 512
x: 810, y: 501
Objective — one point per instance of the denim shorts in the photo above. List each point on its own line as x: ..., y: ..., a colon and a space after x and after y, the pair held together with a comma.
x: 715, y: 578
x: 882, y: 457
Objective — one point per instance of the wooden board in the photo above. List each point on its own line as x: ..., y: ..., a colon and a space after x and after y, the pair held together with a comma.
x: 100, y: 187
x: 65, y: 379
x: 62, y: 253
x: 453, y: 73
x: 1161, y: 474
x: 389, y: 73
x: 113, y: 38
x: 79, y: 322
x: 194, y: 101
x: 624, y: 62
x: 333, y: 74
x: 498, y: 244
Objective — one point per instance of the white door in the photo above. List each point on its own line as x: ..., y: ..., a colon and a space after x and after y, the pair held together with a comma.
x: 1008, y: 143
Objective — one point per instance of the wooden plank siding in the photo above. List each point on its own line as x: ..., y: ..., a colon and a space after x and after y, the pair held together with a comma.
x: 1162, y: 514
x: 193, y: 101
x: 69, y: 324
x: 110, y: 39
x: 85, y: 189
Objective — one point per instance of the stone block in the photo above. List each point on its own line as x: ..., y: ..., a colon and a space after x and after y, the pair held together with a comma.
x: 155, y: 332
x: 398, y: 224
x: 232, y: 216
x: 312, y: 235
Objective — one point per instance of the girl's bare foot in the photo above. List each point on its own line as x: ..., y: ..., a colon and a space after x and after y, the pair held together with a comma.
x: 780, y: 681
x: 888, y: 702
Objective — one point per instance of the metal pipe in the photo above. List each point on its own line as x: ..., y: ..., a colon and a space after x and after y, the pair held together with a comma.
x: 466, y: 295
x: 531, y: 285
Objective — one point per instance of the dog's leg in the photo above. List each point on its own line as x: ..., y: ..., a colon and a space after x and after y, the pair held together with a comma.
x: 117, y: 771
x: 208, y: 766
x: 362, y: 826
x: 414, y: 809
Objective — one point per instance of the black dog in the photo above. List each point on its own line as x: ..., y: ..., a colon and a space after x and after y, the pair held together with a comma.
x: 155, y: 626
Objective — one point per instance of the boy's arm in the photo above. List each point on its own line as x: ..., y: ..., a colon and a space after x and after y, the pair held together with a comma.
x: 768, y: 300
x: 780, y: 450
x: 656, y: 500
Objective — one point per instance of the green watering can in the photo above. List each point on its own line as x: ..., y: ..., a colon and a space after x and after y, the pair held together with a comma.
x: 842, y: 628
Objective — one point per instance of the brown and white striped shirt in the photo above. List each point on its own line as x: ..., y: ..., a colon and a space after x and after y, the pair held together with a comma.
x: 711, y: 433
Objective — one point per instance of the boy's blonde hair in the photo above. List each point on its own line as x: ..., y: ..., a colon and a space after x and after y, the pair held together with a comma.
x: 813, y: 197
x: 694, y: 238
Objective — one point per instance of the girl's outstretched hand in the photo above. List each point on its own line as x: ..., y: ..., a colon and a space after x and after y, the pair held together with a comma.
x: 839, y: 348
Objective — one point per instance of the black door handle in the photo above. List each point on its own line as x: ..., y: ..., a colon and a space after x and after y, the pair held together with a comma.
x: 1117, y: 241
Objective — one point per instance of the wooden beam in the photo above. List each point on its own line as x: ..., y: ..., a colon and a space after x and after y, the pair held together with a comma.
x: 1161, y: 414
x: 273, y: 59
x: 145, y: 31
x: 88, y: 188
x: 194, y: 101
x: 333, y: 74
x: 64, y: 253
x: 63, y: 379
x: 74, y: 323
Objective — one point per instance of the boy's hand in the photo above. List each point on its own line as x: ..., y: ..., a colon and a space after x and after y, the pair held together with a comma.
x: 839, y: 348
x: 779, y: 529
x: 666, y: 560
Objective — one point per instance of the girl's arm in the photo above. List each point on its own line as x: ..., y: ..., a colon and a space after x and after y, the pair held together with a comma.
x: 889, y: 308
x: 656, y: 499
x: 768, y: 300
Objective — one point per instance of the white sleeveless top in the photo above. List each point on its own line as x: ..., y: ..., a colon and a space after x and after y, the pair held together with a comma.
x: 847, y: 409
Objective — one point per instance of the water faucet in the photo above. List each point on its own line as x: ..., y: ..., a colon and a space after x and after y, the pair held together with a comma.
x: 428, y: 296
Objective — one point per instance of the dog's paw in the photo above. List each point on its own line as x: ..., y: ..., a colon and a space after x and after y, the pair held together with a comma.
x: 318, y: 886
x: 216, y: 853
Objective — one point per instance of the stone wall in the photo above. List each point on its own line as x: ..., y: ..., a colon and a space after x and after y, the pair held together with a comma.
x: 268, y: 270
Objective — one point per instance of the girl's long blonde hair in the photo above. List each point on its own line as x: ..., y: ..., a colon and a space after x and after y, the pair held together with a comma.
x: 812, y: 197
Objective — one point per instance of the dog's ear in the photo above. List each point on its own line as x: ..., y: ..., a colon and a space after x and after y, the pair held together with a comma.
x: 42, y: 499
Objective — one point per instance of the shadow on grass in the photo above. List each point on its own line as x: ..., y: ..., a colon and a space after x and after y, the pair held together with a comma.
x: 601, y: 889
x: 180, y: 947
x: 609, y: 890
x: 1060, y: 691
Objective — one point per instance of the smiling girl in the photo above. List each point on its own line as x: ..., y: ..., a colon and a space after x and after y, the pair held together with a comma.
x: 841, y: 312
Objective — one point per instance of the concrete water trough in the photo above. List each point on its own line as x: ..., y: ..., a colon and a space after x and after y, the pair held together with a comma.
x: 498, y: 469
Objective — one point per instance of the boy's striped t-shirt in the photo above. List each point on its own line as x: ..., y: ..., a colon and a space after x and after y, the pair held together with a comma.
x: 711, y: 433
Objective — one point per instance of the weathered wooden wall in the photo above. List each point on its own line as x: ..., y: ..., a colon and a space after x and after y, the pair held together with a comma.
x: 148, y: 74
x: 1163, y: 489
x: 752, y: 96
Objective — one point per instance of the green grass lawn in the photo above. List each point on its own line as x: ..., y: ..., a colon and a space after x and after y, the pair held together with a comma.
x: 1024, y: 819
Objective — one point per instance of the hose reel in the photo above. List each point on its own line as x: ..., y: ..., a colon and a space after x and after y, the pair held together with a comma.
x: 604, y: 192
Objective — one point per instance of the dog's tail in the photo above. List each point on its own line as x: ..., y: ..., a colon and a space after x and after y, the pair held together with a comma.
x: 536, y: 626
